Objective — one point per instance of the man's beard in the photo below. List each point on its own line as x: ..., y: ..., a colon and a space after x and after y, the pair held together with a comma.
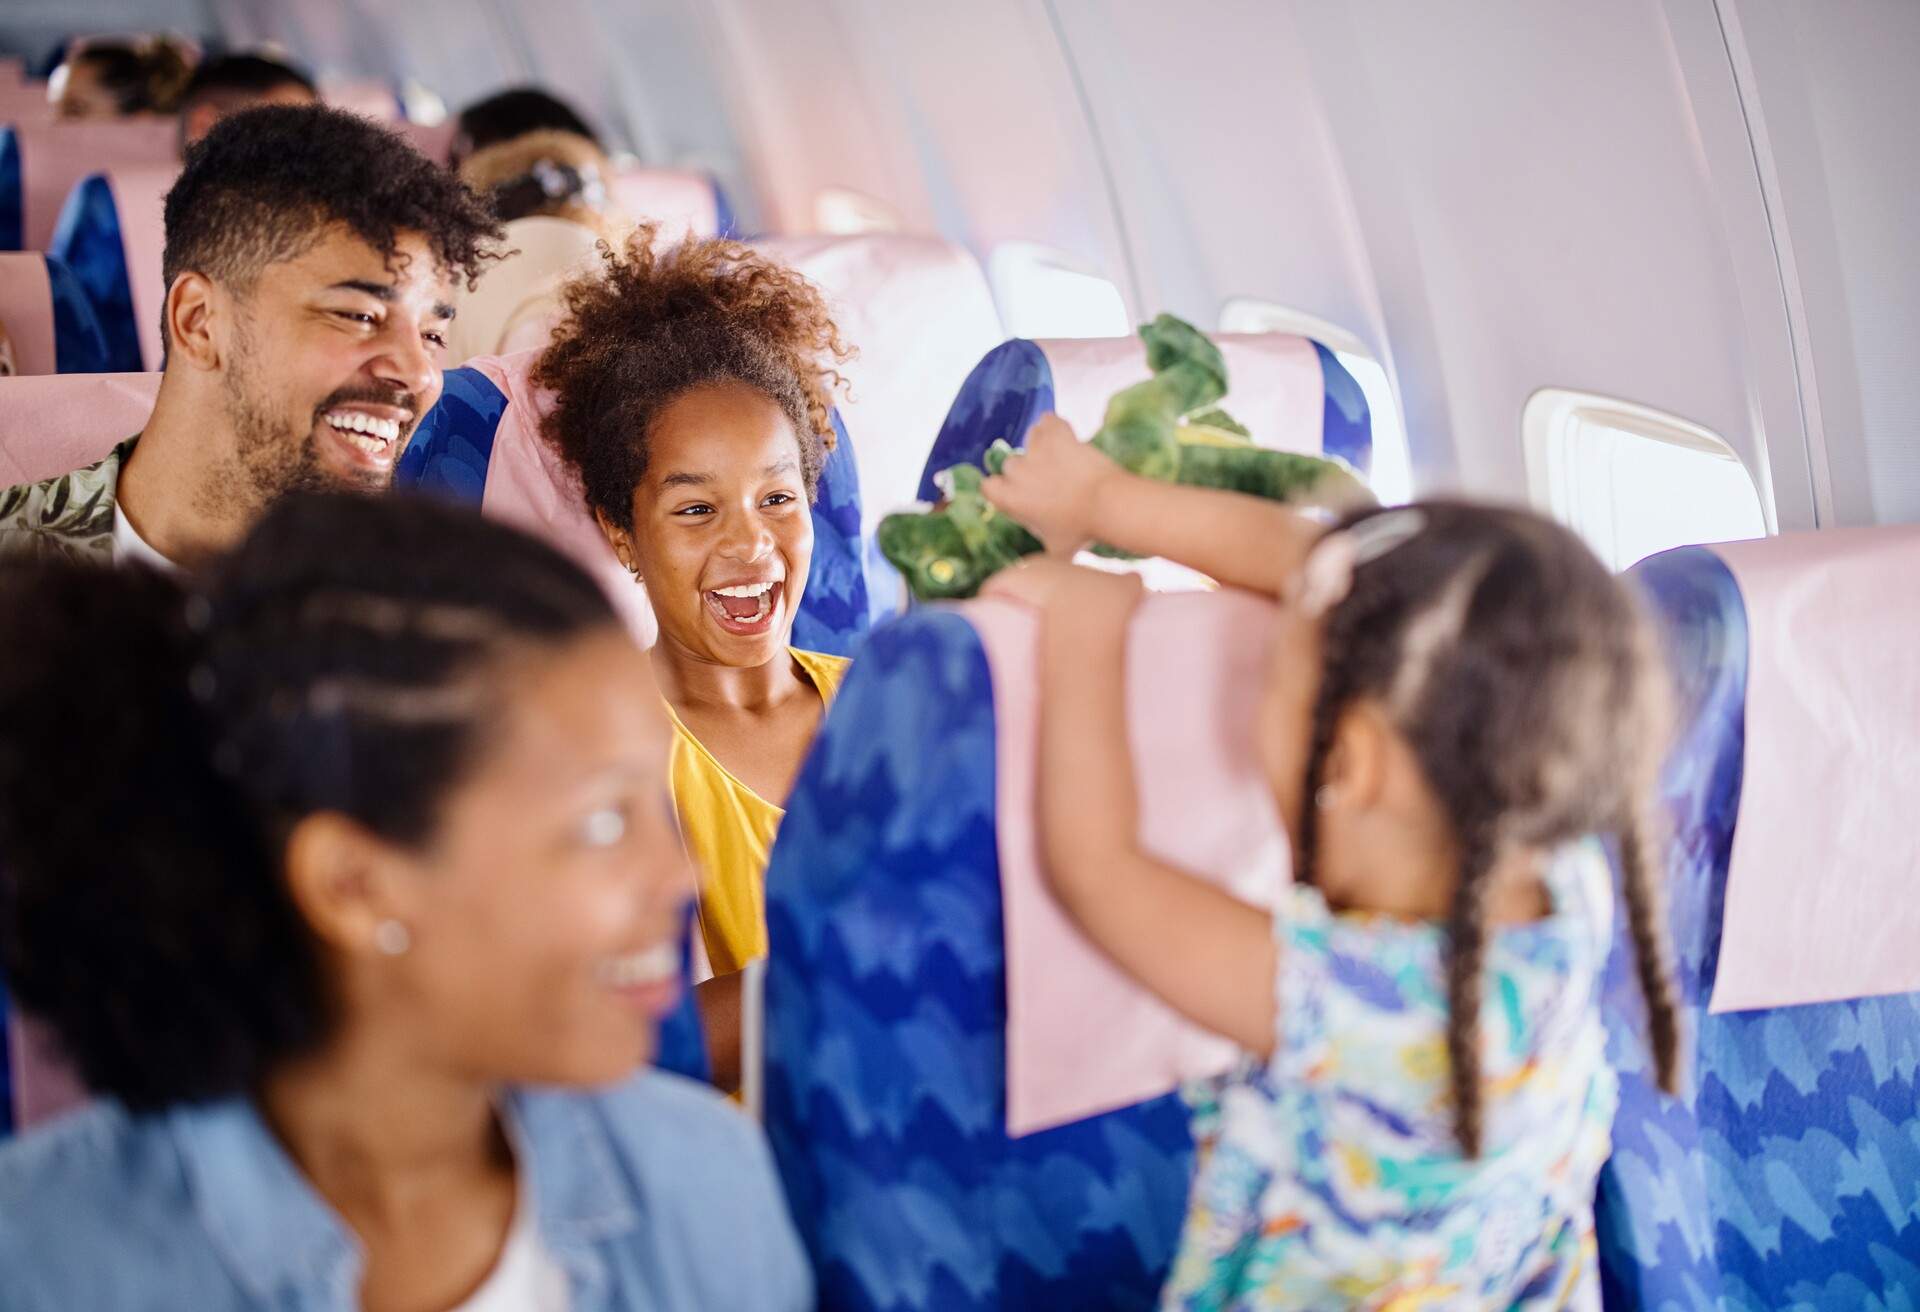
x: 275, y: 459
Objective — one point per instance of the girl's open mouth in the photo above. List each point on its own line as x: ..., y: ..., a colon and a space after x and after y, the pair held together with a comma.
x: 746, y: 609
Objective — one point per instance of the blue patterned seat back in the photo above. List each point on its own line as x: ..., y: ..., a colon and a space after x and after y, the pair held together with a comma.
x: 79, y: 342
x: 1012, y: 386
x: 1788, y: 1175
x: 453, y: 446
x: 886, y: 1016
x: 87, y: 239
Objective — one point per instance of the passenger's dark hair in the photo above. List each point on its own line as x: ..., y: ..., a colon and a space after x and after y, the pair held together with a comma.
x: 144, y: 75
x: 242, y: 75
x: 266, y: 182
x: 514, y: 113
x: 157, y: 746
x: 657, y: 321
x: 1528, y: 683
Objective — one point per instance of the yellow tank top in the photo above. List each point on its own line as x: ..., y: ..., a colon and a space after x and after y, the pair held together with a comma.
x: 729, y: 831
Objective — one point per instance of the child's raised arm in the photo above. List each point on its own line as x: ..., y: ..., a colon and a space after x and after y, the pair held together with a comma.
x: 1070, y: 494
x: 1205, y: 953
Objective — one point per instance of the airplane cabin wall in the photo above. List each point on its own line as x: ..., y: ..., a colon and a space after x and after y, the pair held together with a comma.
x: 1496, y: 198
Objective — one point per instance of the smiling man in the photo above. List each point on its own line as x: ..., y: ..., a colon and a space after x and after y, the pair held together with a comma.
x: 311, y: 258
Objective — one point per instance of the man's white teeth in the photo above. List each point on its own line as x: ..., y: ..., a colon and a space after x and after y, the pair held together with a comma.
x: 639, y: 969
x: 745, y: 590
x: 351, y: 423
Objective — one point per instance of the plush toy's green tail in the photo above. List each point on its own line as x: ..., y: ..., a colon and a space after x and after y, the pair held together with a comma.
x: 1168, y: 428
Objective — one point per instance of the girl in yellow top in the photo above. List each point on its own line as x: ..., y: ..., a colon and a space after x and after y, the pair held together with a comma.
x: 690, y: 392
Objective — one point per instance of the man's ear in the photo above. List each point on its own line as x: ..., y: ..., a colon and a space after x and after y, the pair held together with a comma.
x: 193, y: 311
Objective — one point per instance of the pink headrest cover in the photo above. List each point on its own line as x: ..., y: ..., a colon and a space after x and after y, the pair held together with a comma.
x: 140, y: 196
x: 1083, y: 1038
x: 1275, y: 384
x: 56, y: 156
x: 529, y: 487
x: 1820, y: 900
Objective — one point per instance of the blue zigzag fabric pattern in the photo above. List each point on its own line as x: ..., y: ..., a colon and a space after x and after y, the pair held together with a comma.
x: 886, y: 1015
x: 1006, y: 393
x: 1346, y: 426
x: 87, y: 240
x: 1788, y: 1175
x: 834, y: 613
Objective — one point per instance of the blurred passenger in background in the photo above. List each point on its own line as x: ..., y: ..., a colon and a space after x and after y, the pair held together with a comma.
x: 551, y: 189
x: 227, y: 83
x: 514, y: 113
x: 121, y: 77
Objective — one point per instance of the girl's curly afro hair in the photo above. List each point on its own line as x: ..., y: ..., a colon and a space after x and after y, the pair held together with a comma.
x: 657, y: 321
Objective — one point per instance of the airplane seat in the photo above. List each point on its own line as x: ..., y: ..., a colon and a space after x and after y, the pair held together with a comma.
x: 969, y: 1107
x: 40, y: 166
x: 1290, y: 392
x: 112, y: 234
x: 47, y: 314
x: 921, y: 314
x: 481, y: 445
x: 681, y: 201
x: 1790, y: 1165
x: 56, y: 423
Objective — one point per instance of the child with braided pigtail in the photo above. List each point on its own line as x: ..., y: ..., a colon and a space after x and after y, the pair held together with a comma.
x: 1459, y: 697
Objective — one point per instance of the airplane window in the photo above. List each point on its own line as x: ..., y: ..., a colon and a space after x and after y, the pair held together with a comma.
x: 1633, y: 481
x: 1043, y: 293
x: 843, y: 212
x: 1392, y: 474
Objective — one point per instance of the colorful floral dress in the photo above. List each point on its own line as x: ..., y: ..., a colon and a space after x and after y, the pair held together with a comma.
x: 1330, y: 1177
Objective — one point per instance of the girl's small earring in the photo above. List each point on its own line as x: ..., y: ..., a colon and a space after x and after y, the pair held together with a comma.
x: 1326, y: 796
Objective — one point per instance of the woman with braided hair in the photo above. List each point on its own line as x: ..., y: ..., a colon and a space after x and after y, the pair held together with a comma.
x: 346, y: 881
x: 1459, y: 697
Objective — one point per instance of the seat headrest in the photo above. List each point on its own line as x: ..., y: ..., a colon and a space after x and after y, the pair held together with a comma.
x: 1832, y: 736
x: 1290, y: 392
x: 47, y: 161
x: 63, y: 422
x: 921, y: 313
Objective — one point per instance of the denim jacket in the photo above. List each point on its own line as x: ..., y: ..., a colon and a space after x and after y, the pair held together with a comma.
x: 653, y: 1195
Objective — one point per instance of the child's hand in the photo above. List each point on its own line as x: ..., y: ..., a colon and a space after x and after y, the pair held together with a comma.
x: 1051, y: 488
x: 1055, y: 586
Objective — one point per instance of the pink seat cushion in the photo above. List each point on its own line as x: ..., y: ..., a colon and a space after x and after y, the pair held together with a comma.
x: 62, y: 422
x: 26, y: 309
x: 920, y: 314
x: 1277, y: 387
x: 1082, y: 1037
x: 55, y: 156
x: 1821, y: 887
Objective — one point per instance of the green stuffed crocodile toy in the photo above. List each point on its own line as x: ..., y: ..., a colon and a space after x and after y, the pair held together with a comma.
x: 1169, y: 428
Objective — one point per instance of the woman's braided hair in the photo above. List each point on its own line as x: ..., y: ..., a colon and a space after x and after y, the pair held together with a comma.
x: 1526, y: 680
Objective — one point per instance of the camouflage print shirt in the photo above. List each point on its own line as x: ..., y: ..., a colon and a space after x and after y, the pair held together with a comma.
x: 71, y: 515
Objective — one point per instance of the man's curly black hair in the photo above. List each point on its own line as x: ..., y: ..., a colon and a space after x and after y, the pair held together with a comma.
x: 265, y: 183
